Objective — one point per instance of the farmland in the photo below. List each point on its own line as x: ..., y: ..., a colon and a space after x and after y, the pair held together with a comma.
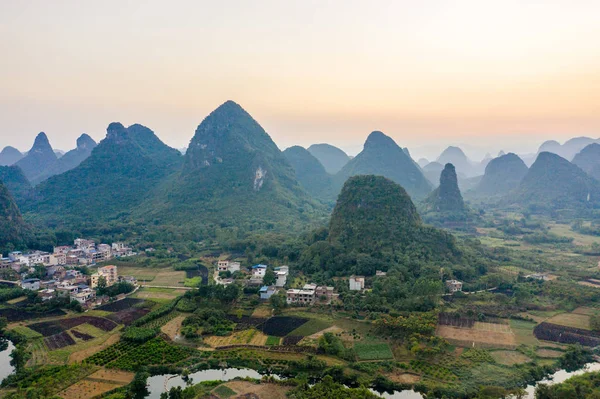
x: 280, y: 326
x: 373, y: 351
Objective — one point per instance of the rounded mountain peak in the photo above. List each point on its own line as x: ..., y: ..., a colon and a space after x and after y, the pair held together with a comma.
x: 41, y: 142
x: 116, y: 132
x: 85, y: 141
x: 378, y: 138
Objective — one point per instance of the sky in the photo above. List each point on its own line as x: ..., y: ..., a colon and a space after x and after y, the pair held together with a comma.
x: 487, y: 75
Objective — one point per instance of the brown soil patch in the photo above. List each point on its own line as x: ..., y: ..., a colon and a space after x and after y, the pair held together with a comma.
x: 509, y: 358
x: 262, y: 312
x: 258, y: 339
x: 263, y: 391
x: 332, y: 329
x: 549, y: 353
x: 404, y: 378
x: 96, y: 384
x: 81, y: 355
x: 173, y: 327
x: 468, y: 337
x: 113, y: 375
x: 584, y: 310
x: 492, y: 327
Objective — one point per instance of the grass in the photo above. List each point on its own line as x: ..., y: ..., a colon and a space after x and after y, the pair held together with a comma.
x: 572, y: 320
x: 373, y: 351
x: 224, y: 392
x: 271, y: 341
x: 524, y: 332
x: 27, y: 332
x: 311, y: 327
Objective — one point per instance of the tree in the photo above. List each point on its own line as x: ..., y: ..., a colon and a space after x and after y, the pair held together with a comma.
x: 278, y: 301
x: 101, y: 284
x: 270, y: 277
x: 138, y: 386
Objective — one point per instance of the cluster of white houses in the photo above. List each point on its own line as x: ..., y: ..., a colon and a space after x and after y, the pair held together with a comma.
x: 83, y: 252
x: 73, y: 284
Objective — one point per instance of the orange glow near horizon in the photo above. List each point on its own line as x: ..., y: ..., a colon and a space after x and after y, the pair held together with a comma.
x: 491, y: 73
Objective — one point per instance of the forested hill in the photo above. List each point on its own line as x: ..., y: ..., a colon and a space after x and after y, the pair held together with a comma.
x: 16, y: 182
x: 233, y: 175
x: 554, y: 183
x: 375, y: 226
x: 13, y: 230
x: 381, y: 156
x: 502, y: 175
x: 447, y: 197
x: 589, y: 160
x: 310, y: 173
x: 85, y: 145
x: 120, y: 173
x: 332, y: 158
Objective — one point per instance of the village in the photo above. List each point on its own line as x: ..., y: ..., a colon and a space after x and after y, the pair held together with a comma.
x: 64, y: 274
x: 308, y: 294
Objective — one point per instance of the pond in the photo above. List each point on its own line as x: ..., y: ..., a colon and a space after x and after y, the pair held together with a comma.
x: 5, y: 368
x: 561, y: 376
x: 164, y: 382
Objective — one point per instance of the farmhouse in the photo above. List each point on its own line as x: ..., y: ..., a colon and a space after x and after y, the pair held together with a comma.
x: 267, y: 292
x: 357, y: 283
x: 282, y: 274
x: 47, y: 294
x: 454, y: 285
x: 31, y: 284
x: 108, y: 272
x: 227, y: 266
x: 259, y: 271
x: 309, y: 294
x: 83, y: 296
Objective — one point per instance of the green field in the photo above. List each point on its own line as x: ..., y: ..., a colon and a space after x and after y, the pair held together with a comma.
x: 373, y: 351
x: 311, y: 327
x: 273, y: 341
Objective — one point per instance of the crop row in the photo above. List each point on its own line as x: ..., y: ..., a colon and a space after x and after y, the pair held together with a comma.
x: 435, y: 371
x: 112, y: 353
x: 161, y: 321
x: 154, y: 352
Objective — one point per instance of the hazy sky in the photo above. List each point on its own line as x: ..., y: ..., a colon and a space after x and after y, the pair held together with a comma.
x: 503, y: 74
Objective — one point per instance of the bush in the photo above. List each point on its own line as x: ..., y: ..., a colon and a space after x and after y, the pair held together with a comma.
x: 139, y: 334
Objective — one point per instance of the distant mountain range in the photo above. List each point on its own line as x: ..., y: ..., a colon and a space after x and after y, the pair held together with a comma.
x: 10, y: 156
x: 38, y: 159
x: 332, y: 158
x: 233, y: 174
x: 311, y: 174
x: 589, y: 160
x: 553, y: 183
x: 502, y: 175
x: 70, y: 160
x: 120, y: 173
x: 383, y: 157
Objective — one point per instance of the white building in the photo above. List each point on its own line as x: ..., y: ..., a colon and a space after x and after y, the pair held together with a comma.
x: 357, y: 283
x: 282, y: 275
x: 454, y: 285
x: 32, y: 284
x: 259, y: 270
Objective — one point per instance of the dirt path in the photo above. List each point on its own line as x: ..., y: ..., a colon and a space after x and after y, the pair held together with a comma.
x: 81, y: 355
x: 263, y: 391
x: 173, y: 327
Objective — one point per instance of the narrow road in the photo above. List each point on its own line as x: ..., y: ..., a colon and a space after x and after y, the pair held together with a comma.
x: 166, y: 286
